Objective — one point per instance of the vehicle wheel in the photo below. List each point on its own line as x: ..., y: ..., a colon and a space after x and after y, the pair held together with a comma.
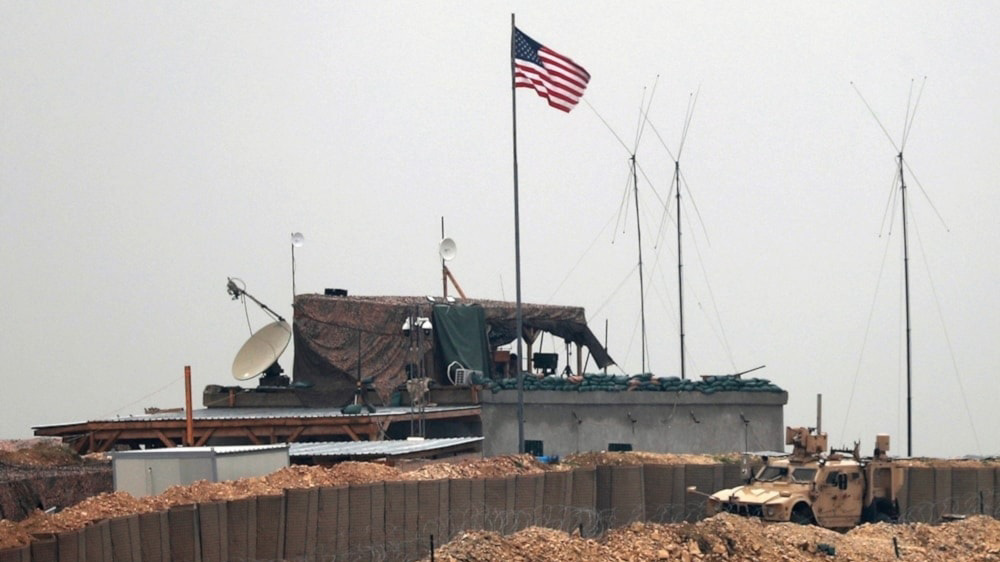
x: 881, y: 517
x: 802, y: 514
x: 885, y: 511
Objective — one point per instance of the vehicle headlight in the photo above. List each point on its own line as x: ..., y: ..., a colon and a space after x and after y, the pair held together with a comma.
x: 769, y: 511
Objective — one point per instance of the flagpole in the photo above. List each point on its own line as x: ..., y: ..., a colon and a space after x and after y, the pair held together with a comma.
x: 517, y: 255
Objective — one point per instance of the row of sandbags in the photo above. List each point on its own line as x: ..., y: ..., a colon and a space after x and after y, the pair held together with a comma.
x: 616, y: 383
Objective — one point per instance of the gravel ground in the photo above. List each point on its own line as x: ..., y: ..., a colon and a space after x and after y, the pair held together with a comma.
x: 726, y: 537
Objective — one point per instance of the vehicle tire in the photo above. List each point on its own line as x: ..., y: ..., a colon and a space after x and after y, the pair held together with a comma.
x: 802, y: 515
x: 885, y: 511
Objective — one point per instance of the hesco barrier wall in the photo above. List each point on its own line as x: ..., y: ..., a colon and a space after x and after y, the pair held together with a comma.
x: 399, y: 520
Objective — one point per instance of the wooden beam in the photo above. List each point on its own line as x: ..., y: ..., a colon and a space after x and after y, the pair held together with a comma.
x: 350, y: 431
x: 166, y: 440
x: 61, y: 430
x: 453, y: 282
x: 252, y: 436
x: 295, y: 434
x: 109, y: 442
x: 204, y: 437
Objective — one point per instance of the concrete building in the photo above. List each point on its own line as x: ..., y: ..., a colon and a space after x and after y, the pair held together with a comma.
x: 382, y: 367
x: 557, y: 422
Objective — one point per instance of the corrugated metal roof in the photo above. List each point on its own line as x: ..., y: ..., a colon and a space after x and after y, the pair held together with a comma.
x: 48, y: 425
x: 199, y: 451
x: 376, y: 448
x: 266, y: 413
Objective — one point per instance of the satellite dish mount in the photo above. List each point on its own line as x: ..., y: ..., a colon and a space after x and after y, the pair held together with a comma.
x: 259, y: 354
x: 447, y: 250
x: 297, y: 241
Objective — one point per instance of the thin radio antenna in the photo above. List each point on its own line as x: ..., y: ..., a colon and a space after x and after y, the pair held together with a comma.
x: 633, y: 182
x: 675, y: 190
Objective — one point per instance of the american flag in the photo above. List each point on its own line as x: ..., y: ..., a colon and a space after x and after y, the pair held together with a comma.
x: 553, y: 76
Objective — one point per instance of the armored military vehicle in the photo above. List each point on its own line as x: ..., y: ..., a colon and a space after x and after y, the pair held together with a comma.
x: 836, y: 490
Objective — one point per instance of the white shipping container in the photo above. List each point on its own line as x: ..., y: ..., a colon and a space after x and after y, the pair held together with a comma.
x: 150, y: 472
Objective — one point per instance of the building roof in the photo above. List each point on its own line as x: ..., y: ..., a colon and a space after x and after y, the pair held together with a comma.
x: 369, y: 449
x: 263, y: 413
x: 216, y: 450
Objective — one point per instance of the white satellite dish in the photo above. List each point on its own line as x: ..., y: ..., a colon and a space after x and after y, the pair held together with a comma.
x: 298, y: 239
x: 261, y: 350
x: 447, y: 249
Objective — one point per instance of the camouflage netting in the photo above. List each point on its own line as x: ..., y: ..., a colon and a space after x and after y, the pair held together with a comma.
x: 615, y: 383
x: 336, y: 337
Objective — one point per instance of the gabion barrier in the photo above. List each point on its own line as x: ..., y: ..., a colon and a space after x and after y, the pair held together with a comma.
x: 390, y: 521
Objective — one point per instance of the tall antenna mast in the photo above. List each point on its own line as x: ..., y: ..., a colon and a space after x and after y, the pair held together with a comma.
x: 643, y: 110
x: 906, y: 292
x: 444, y: 268
x: 907, y: 123
x: 642, y: 288
x: 680, y: 264
x: 677, y: 185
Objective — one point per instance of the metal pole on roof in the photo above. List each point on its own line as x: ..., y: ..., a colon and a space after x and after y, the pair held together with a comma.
x: 906, y: 282
x: 189, y: 415
x: 517, y: 254
x: 444, y: 269
x: 642, y: 287
x: 605, y: 342
x: 819, y: 414
x: 680, y: 266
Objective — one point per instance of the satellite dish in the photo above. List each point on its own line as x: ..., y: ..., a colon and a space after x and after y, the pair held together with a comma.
x: 261, y: 350
x: 447, y: 249
x: 298, y: 239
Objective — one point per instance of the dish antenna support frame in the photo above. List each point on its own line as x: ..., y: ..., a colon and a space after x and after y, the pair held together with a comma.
x: 447, y: 250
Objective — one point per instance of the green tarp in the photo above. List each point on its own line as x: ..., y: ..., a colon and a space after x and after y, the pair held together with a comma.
x: 460, y: 335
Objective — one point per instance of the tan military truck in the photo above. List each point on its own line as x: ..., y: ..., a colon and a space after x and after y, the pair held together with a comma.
x: 836, y: 490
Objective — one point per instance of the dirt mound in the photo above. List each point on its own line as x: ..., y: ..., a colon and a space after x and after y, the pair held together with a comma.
x: 12, y: 535
x: 101, y: 506
x: 493, y: 467
x: 641, y: 457
x: 533, y: 543
x: 735, y: 539
x: 975, y: 538
x: 37, y: 453
x: 43, y: 473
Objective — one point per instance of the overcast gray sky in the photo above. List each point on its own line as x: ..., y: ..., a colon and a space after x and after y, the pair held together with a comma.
x: 149, y: 150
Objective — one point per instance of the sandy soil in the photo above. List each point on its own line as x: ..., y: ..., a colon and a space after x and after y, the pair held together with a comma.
x: 727, y: 537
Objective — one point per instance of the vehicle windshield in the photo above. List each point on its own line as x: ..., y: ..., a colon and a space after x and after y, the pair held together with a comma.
x: 772, y: 473
x: 803, y: 474
x: 776, y: 473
